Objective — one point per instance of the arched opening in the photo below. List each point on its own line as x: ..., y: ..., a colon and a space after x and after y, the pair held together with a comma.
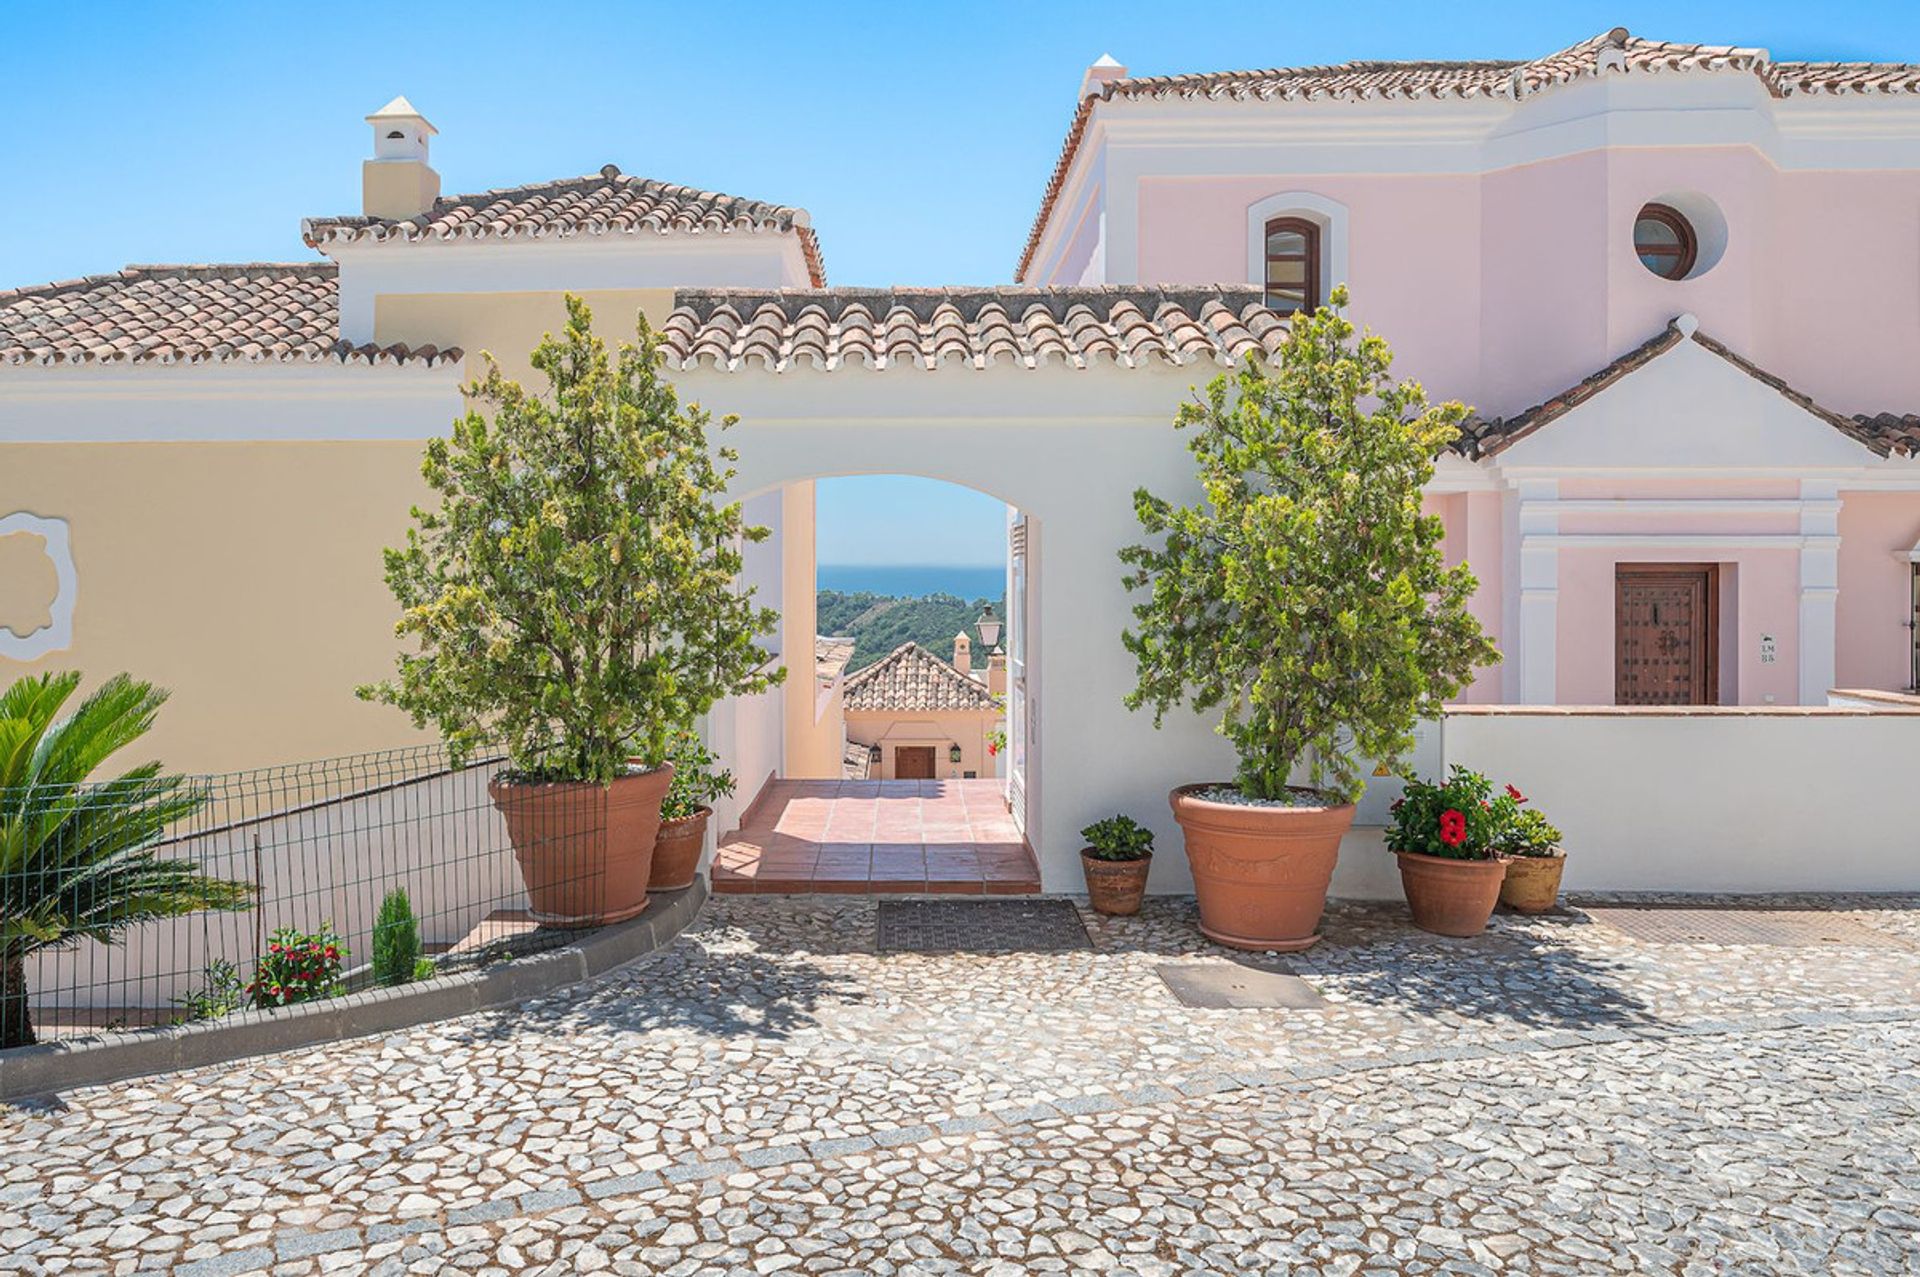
x: 897, y: 756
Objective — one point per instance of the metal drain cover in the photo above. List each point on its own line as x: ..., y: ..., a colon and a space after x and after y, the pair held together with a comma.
x: 1229, y: 984
x: 980, y: 926
x: 1787, y: 928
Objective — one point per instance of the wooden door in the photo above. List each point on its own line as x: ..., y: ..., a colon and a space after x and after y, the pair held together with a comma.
x: 913, y: 762
x: 1666, y: 635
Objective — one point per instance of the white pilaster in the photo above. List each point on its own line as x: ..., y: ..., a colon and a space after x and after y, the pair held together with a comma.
x: 1819, y: 586
x: 1539, y: 636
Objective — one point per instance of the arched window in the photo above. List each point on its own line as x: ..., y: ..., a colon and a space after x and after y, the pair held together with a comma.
x: 1293, y: 264
x: 1664, y: 241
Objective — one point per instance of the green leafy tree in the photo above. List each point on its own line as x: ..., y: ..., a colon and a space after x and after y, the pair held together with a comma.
x: 573, y: 595
x: 396, y: 940
x: 76, y: 855
x: 1305, y: 595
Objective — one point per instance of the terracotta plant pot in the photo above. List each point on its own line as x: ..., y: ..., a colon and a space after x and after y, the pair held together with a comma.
x: 1260, y: 873
x: 1533, y: 883
x: 676, y: 852
x: 1114, y: 887
x: 585, y: 851
x: 1450, y: 897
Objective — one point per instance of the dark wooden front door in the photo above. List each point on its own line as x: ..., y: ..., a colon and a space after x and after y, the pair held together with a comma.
x: 1666, y: 635
x: 913, y: 762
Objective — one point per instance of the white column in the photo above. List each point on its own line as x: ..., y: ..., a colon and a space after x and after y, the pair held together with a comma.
x: 1819, y: 586
x: 1539, y: 637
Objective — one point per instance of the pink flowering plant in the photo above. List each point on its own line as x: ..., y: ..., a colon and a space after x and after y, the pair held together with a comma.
x: 1462, y: 819
x: 298, y: 966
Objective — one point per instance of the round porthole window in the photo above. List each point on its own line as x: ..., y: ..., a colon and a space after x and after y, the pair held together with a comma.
x: 1665, y: 241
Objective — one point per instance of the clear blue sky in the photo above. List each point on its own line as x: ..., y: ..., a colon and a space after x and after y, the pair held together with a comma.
x: 918, y: 135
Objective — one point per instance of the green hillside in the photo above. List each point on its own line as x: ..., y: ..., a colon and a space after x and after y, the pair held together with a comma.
x: 878, y: 623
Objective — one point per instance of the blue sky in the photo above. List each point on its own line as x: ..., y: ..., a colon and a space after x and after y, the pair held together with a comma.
x: 918, y: 135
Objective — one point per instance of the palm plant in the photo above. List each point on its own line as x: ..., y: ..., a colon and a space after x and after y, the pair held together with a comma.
x: 76, y: 857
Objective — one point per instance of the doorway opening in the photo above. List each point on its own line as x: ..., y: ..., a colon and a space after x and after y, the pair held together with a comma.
x: 1667, y: 634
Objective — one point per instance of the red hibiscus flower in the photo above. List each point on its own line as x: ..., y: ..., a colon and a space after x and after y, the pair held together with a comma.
x: 1515, y: 794
x: 1453, y: 827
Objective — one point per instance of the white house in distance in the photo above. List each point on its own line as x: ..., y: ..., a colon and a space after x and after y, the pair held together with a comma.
x: 1690, y: 490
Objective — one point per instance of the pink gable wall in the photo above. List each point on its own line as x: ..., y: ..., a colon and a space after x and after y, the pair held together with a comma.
x: 1874, y: 647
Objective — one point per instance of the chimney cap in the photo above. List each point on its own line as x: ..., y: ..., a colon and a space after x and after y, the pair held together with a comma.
x: 400, y: 109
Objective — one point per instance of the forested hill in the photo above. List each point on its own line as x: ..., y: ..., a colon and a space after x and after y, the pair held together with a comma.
x: 879, y: 623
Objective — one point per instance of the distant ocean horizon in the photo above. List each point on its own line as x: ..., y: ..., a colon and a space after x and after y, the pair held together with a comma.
x: 967, y: 580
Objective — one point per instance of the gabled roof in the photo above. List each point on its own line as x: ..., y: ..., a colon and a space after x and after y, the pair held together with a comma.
x: 910, y: 679
x: 1885, y: 434
x: 605, y: 203
x: 1126, y: 325
x: 255, y: 312
x: 1617, y: 50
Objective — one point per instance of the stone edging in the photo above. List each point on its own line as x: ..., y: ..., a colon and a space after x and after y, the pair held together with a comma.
x: 51, y: 1067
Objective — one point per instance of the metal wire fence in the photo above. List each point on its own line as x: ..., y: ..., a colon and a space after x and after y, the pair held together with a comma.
x: 277, y: 887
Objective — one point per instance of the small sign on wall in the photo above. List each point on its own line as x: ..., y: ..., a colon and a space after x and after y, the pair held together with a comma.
x: 1769, y: 650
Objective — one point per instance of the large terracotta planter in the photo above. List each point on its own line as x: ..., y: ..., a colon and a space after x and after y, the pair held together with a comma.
x: 676, y: 851
x: 1260, y: 873
x: 1450, y: 897
x: 1114, y: 887
x: 1533, y: 883
x: 585, y: 851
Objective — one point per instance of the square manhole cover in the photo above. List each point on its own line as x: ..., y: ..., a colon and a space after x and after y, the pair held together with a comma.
x: 980, y: 926
x: 1232, y: 984
x: 1788, y: 928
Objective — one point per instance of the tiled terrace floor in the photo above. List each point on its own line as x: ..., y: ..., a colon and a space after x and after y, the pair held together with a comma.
x: 866, y: 836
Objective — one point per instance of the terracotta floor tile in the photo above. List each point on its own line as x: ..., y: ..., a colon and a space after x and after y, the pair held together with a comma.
x: 896, y: 886
x: 954, y: 886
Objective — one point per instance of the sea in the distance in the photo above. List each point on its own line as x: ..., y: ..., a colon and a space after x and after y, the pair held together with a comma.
x: 968, y: 581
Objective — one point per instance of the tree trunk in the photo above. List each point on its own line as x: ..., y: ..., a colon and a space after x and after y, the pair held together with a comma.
x: 16, y: 1022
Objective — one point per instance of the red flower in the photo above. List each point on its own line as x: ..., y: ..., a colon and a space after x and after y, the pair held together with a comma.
x: 1515, y: 794
x: 1453, y: 827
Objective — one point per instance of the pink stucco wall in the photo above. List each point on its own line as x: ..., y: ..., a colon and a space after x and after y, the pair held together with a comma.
x: 1473, y: 532
x: 1874, y: 645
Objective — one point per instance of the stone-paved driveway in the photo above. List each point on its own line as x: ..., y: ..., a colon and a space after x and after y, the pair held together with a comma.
x: 770, y: 1095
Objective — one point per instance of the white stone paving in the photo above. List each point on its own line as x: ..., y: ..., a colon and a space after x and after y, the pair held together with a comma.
x: 770, y: 1095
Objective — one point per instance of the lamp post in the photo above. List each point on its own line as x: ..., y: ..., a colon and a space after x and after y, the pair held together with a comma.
x: 989, y: 627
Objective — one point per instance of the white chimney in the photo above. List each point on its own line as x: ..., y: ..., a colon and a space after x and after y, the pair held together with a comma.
x: 1099, y: 73
x: 963, y: 653
x: 397, y: 182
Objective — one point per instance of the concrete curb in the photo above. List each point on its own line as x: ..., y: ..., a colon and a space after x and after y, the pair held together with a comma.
x: 51, y: 1067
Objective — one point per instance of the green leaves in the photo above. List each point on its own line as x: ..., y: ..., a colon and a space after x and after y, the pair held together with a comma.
x: 1305, y: 595
x: 573, y: 594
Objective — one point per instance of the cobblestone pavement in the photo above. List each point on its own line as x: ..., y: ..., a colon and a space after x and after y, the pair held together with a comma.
x: 770, y: 1095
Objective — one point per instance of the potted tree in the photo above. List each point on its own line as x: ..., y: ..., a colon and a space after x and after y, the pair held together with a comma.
x: 573, y: 597
x: 1449, y: 840
x: 77, y: 857
x: 697, y: 782
x: 1118, y: 855
x: 1535, y: 859
x: 1303, y: 597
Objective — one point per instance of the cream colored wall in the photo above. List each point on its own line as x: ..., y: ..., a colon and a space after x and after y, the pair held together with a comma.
x: 941, y: 729
x: 508, y: 325
x: 816, y: 734
x: 245, y: 577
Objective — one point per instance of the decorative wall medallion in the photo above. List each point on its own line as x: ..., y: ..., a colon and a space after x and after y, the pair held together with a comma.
x: 38, y: 585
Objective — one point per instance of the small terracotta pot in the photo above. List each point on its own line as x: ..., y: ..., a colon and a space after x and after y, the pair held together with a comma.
x: 1533, y: 883
x: 1114, y: 887
x: 1260, y: 874
x: 585, y: 851
x: 676, y: 852
x: 1450, y: 897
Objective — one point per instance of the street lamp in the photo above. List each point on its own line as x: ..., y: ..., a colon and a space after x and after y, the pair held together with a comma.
x: 989, y: 627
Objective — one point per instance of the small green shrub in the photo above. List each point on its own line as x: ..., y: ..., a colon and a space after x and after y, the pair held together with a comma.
x: 396, y: 940
x: 697, y: 782
x: 1459, y: 820
x: 1118, y: 838
x: 1529, y: 833
x: 298, y: 966
x: 221, y: 995
x: 423, y: 969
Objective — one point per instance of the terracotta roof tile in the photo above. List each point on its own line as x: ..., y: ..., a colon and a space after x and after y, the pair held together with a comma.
x: 967, y: 327
x: 830, y: 656
x: 910, y: 679
x: 256, y: 312
x: 1885, y: 434
x: 604, y: 203
x: 1615, y: 50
